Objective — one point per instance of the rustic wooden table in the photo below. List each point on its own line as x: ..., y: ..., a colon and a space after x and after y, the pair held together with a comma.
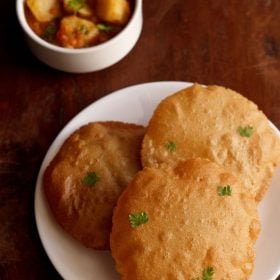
x: 230, y: 43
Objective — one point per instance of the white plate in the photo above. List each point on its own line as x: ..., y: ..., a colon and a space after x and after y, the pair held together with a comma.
x: 136, y: 104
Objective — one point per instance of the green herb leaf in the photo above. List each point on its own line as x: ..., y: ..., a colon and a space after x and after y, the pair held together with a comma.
x: 245, y: 131
x: 104, y: 27
x: 170, y: 146
x: 224, y: 190
x: 207, y: 273
x: 138, y: 219
x: 83, y: 29
x: 50, y: 31
x: 90, y: 179
x: 75, y: 5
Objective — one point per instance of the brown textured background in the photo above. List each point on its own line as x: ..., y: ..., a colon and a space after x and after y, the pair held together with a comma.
x: 226, y: 42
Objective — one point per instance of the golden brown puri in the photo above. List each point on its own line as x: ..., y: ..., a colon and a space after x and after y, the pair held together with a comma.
x: 215, y: 123
x: 86, y: 177
x: 192, y: 219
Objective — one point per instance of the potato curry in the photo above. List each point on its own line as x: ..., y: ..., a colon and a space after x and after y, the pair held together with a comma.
x: 77, y: 23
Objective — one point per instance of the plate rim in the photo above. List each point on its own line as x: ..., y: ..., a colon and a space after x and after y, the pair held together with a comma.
x: 115, y: 93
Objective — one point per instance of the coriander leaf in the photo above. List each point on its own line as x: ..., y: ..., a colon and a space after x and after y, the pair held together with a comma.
x: 170, y: 146
x: 75, y: 5
x: 50, y: 31
x: 245, y: 131
x: 224, y: 190
x: 83, y: 29
x: 104, y: 27
x: 90, y: 179
x: 207, y: 273
x: 138, y: 219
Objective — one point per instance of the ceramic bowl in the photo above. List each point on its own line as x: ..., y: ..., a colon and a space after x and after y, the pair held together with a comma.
x: 87, y: 59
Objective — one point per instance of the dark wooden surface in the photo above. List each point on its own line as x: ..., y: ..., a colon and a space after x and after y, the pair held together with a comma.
x: 230, y: 43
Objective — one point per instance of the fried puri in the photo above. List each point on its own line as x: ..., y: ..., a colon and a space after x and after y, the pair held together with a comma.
x: 84, y: 180
x: 215, y: 123
x: 185, y: 221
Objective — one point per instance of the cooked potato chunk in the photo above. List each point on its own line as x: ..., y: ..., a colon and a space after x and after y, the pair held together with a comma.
x: 44, y: 10
x: 75, y: 32
x: 113, y: 11
x: 77, y: 6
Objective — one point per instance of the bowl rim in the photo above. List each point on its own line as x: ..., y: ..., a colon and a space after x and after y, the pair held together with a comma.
x: 27, y: 29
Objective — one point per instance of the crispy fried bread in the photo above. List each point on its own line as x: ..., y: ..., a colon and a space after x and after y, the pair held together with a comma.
x: 215, y: 123
x: 183, y: 222
x: 85, y: 178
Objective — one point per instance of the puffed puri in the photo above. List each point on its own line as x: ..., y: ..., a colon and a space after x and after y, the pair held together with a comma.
x: 84, y: 180
x: 219, y: 124
x: 191, y: 226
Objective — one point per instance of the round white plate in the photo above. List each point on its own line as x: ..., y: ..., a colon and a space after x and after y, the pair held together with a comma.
x: 136, y: 104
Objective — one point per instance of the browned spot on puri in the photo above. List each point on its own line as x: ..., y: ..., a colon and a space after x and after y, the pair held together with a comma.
x: 209, y: 256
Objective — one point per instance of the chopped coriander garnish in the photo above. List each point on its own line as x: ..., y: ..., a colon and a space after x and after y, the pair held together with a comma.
x: 207, y: 274
x: 50, y: 30
x: 170, y: 146
x: 104, y: 27
x: 245, y: 131
x: 75, y: 5
x: 138, y: 219
x: 90, y: 179
x: 83, y: 29
x: 224, y: 190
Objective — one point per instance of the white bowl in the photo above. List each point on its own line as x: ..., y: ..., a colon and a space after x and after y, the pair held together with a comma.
x: 87, y: 59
